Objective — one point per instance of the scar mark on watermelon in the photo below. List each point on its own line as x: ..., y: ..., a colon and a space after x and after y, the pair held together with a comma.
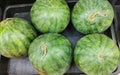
x: 44, y: 48
x: 92, y: 16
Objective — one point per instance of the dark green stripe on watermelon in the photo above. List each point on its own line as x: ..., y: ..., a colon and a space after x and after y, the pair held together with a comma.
x: 96, y: 54
x: 16, y: 35
x: 52, y: 16
x: 57, y: 59
x: 92, y: 16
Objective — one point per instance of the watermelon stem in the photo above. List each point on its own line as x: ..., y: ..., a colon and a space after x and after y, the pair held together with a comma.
x: 100, y: 56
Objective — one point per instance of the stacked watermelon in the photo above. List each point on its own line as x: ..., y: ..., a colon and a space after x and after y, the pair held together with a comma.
x: 94, y: 54
x: 50, y: 15
x: 51, y: 53
x: 16, y: 35
x: 92, y: 16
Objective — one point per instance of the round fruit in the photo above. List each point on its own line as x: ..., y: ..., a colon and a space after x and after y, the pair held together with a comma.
x: 92, y: 16
x: 16, y: 35
x: 50, y: 15
x: 50, y: 54
x: 96, y: 54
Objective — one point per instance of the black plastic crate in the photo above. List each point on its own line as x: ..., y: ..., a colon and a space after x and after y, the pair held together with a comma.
x: 0, y: 14
x: 4, y: 3
x: 22, y: 66
x: 117, y: 23
x: 117, y: 2
x: 113, y: 2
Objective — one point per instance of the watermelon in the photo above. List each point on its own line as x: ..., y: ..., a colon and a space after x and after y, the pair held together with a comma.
x: 50, y: 15
x: 16, y: 35
x: 50, y: 54
x: 92, y: 16
x: 96, y: 54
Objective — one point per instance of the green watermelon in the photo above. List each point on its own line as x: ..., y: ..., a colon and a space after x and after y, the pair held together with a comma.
x: 16, y: 35
x: 50, y: 54
x: 96, y: 54
x: 92, y: 16
x: 50, y: 15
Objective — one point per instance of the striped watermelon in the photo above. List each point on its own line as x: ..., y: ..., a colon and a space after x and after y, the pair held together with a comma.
x: 96, y: 54
x: 16, y: 35
x: 50, y: 15
x: 92, y: 16
x: 50, y: 54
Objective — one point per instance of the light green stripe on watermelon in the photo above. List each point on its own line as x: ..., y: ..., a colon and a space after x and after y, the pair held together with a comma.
x: 50, y: 15
x: 24, y: 25
x: 9, y: 47
x: 57, y: 59
x: 20, y: 45
x: 96, y: 54
x: 92, y: 16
